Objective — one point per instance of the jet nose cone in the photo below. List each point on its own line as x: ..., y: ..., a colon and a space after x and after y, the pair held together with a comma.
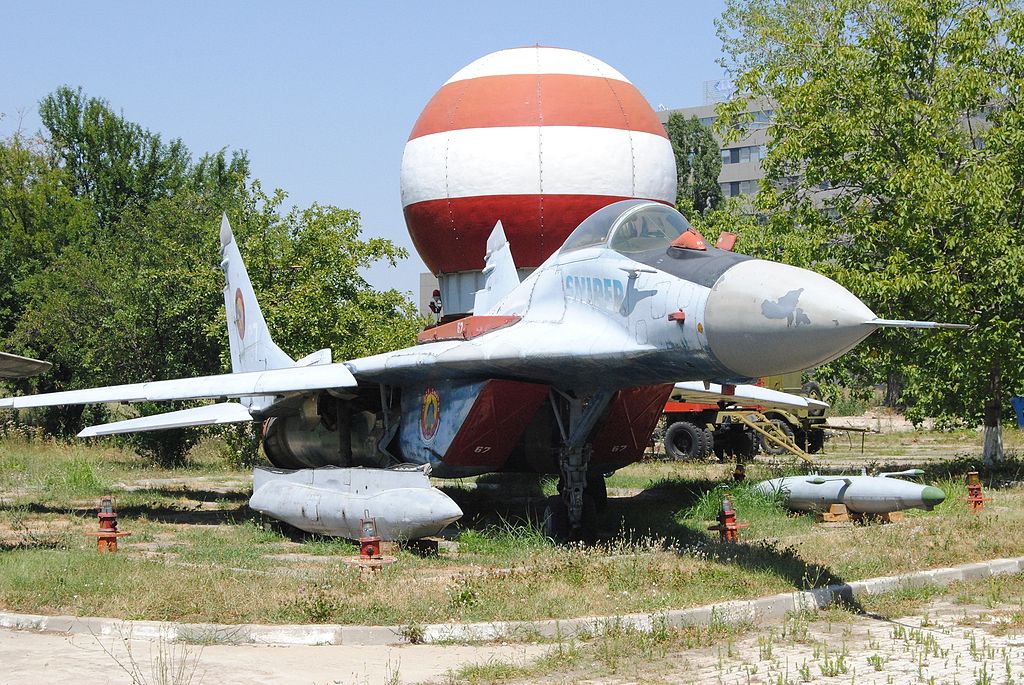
x: 764, y: 318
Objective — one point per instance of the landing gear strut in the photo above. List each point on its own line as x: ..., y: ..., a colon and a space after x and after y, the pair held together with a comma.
x: 572, y: 515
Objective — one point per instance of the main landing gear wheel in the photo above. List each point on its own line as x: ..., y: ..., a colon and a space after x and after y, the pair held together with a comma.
x: 556, y: 526
x: 597, y: 491
x: 686, y: 442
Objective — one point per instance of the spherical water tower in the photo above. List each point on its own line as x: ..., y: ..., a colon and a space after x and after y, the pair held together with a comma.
x: 536, y: 137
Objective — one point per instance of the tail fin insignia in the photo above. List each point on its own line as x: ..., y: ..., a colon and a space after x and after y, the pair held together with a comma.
x: 252, y: 348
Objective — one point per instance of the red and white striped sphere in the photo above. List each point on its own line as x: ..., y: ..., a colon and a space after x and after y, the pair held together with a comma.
x: 536, y: 137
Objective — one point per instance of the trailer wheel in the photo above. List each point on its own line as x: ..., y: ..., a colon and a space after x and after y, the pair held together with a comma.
x: 815, y: 440
x: 686, y: 442
x: 770, y: 447
x: 813, y: 390
x: 743, y: 445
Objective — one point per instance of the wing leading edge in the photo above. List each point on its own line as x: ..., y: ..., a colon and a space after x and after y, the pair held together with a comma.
x: 250, y: 384
x: 213, y: 414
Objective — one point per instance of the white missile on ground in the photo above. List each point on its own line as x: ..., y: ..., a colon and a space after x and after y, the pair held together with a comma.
x: 881, y: 494
x: 332, y: 501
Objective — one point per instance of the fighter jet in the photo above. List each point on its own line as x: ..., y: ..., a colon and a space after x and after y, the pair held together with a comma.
x: 564, y: 373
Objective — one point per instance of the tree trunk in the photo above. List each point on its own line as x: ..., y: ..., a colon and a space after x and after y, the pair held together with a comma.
x: 993, y: 450
x: 893, y: 389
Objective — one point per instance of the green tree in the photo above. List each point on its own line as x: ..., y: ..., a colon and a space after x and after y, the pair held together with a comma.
x: 109, y: 159
x: 115, y: 255
x: 909, y: 114
x: 698, y: 164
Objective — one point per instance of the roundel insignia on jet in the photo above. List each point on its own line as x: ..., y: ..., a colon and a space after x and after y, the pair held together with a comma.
x: 240, y: 314
x: 430, y: 414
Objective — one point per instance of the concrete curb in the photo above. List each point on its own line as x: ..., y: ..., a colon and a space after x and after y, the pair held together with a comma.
x: 770, y: 608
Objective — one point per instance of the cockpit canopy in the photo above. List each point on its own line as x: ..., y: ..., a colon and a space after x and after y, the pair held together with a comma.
x: 655, y: 235
x: 631, y: 227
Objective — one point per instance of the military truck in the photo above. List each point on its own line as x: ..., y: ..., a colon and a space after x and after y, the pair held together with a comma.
x: 740, y: 421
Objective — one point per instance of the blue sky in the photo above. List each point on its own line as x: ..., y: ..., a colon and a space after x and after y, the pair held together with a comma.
x: 323, y: 95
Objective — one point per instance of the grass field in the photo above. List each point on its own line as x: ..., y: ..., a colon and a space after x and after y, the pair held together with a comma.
x: 197, y: 553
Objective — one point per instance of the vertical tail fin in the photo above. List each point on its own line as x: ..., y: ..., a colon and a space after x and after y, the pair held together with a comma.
x: 252, y: 348
x: 500, y: 275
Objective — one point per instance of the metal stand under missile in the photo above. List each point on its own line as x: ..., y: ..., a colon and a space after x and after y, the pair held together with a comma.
x: 571, y: 516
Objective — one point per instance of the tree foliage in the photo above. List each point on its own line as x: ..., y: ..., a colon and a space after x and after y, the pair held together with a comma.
x: 897, y: 167
x: 698, y: 164
x: 109, y: 239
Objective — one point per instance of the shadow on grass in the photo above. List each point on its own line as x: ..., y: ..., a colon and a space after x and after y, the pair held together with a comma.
x: 153, y: 511
x: 21, y: 545
x: 199, y: 495
x: 1006, y: 472
x: 653, y: 514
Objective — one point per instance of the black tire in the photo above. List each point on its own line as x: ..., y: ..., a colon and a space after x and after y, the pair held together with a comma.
x: 709, y: 441
x: 813, y: 390
x: 718, y: 447
x: 556, y: 520
x: 597, y: 491
x: 686, y: 442
x: 770, y: 447
x: 815, y: 440
x: 744, y: 445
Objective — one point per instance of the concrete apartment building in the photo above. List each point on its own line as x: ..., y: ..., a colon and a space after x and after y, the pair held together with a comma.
x: 741, y: 160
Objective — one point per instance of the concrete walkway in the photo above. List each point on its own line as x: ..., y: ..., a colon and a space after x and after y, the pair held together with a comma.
x: 41, y: 649
x: 28, y: 658
x: 762, y: 609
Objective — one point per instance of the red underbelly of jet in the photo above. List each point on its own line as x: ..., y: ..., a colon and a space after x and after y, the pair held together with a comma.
x: 494, y: 424
x: 625, y: 432
x: 467, y: 425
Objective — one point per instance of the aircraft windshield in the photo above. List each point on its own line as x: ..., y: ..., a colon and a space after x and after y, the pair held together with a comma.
x: 629, y: 226
x: 649, y: 227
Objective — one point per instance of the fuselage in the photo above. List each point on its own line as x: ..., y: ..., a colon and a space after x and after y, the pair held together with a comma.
x: 605, y: 311
x: 632, y: 303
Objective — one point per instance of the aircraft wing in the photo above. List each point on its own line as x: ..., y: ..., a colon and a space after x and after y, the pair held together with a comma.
x: 209, y: 415
x: 14, y: 366
x: 694, y: 391
x: 249, y: 384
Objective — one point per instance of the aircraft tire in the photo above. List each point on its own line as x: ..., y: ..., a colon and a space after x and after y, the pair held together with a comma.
x: 686, y: 442
x: 597, y: 491
x: 770, y: 448
x: 556, y: 519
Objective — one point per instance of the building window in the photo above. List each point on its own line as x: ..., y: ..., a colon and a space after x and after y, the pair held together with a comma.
x: 748, y: 187
x: 744, y: 155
